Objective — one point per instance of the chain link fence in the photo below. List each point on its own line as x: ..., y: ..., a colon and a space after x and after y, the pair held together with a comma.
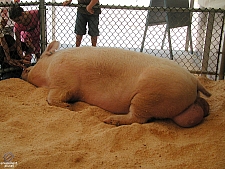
x: 191, y: 37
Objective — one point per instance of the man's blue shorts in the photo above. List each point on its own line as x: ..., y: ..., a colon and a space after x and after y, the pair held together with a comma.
x: 81, y: 23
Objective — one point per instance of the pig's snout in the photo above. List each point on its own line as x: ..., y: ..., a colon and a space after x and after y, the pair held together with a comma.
x: 25, y: 73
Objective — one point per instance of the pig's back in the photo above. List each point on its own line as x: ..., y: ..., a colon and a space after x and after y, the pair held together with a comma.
x: 114, y: 66
x: 107, y: 64
x: 111, y: 58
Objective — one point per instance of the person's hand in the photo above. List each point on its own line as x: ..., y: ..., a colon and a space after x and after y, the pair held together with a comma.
x: 67, y: 2
x: 3, y: 22
x: 19, y: 63
x: 27, y: 60
x: 89, y: 9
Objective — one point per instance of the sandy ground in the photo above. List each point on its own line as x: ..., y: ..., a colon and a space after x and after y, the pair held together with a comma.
x: 42, y: 136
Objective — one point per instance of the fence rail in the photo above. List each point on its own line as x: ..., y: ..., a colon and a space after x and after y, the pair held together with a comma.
x: 128, y: 27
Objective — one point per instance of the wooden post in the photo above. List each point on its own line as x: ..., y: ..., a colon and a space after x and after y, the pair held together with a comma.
x: 222, y: 66
x: 207, y: 42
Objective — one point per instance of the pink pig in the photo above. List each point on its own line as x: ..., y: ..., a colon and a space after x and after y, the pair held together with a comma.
x: 135, y: 86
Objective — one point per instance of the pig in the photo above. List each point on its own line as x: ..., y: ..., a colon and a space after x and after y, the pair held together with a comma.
x: 134, y: 86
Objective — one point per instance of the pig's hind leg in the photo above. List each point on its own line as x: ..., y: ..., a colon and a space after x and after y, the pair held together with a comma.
x: 194, y: 114
x: 59, y: 98
x: 135, y: 115
x: 126, y: 119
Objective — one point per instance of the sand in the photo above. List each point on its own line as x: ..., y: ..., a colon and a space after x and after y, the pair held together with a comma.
x: 42, y: 136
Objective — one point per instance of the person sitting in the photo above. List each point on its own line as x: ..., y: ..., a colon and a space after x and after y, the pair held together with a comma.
x: 8, y: 29
x: 9, y: 57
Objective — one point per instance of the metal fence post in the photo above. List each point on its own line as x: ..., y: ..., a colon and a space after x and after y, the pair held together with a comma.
x: 222, y: 66
x: 42, y: 10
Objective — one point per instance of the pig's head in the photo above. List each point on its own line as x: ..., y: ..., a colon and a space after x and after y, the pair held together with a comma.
x: 25, y: 73
x: 36, y: 74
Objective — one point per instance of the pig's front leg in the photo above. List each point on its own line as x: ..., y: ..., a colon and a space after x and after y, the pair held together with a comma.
x: 59, y: 98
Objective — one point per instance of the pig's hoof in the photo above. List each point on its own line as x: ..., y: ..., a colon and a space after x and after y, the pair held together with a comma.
x: 111, y: 120
x: 61, y: 104
x: 125, y: 119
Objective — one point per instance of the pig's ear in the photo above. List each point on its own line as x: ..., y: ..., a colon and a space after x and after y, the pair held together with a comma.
x: 52, y: 47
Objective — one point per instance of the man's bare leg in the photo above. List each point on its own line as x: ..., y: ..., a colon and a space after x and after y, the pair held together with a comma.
x: 78, y: 40
x: 94, y: 40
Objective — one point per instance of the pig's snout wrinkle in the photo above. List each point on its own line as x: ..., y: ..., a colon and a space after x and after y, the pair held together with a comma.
x: 25, y: 72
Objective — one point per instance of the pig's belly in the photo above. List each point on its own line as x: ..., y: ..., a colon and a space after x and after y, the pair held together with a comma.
x: 115, y: 107
x: 110, y: 102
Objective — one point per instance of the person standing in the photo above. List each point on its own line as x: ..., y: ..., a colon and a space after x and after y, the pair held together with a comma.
x: 86, y: 15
